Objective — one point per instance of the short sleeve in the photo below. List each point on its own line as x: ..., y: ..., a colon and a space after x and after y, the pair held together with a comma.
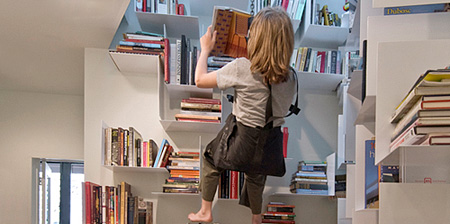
x: 227, y: 75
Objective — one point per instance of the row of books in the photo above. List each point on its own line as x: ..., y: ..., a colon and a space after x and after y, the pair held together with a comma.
x: 423, y: 116
x: 217, y: 62
x: 114, y: 204
x: 322, y: 16
x: 184, y: 170
x: 126, y: 147
x: 310, y: 178
x: 307, y: 59
x: 279, y: 212
x: 230, y: 184
x: 294, y: 8
x: 161, y: 7
x: 195, y: 109
x: 182, y: 62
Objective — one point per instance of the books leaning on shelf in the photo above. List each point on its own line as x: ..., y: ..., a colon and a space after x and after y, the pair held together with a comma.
x: 184, y: 170
x: 322, y: 16
x: 415, y: 9
x: 162, y: 157
x: 196, y: 109
x: 183, y: 61
x: 162, y: 7
x: 114, y: 204
x: 279, y: 212
x: 307, y: 59
x: 232, y: 27
x: 126, y: 147
x: 310, y: 178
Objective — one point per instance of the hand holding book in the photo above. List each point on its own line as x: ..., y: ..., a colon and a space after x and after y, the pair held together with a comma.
x: 208, y: 40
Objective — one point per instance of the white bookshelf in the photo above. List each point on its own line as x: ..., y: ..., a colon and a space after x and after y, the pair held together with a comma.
x: 175, y: 25
x: 416, y: 27
x: 136, y: 63
x: 400, y: 64
x: 319, y: 81
x: 311, y: 35
x: 414, y: 203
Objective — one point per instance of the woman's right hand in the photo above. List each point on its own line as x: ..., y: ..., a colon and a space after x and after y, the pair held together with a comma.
x: 208, y: 40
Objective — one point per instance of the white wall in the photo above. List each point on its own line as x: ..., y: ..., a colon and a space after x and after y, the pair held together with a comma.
x: 34, y: 125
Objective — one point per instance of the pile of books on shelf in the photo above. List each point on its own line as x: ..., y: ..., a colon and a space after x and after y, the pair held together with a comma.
x: 230, y: 184
x: 184, y: 169
x: 195, y: 109
x: 307, y: 59
x: 217, y: 62
x: 279, y: 212
x: 162, y: 7
x: 126, y: 147
x: 141, y: 42
x: 183, y: 61
x: 114, y: 204
x: 310, y: 178
x: 423, y: 116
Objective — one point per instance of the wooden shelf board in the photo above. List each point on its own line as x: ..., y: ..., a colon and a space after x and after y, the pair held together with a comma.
x: 186, y: 126
x: 136, y: 63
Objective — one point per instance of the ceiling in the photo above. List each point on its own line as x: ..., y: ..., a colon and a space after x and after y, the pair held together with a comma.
x: 42, y: 42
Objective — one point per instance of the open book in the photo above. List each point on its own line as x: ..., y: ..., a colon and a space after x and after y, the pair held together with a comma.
x: 232, y: 26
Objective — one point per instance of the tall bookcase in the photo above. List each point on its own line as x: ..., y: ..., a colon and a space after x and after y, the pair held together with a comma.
x: 123, y: 90
x: 400, y: 48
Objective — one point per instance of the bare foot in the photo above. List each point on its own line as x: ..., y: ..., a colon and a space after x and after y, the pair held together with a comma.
x: 200, y: 217
x: 256, y: 219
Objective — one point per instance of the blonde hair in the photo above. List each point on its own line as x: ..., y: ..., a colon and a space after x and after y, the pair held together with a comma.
x: 270, y: 44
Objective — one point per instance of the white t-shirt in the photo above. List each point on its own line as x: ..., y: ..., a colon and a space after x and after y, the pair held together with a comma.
x: 251, y: 93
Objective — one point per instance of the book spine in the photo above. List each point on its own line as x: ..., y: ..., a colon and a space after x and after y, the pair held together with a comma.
x: 166, y: 60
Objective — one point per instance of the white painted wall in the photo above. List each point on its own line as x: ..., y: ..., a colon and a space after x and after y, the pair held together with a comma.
x: 34, y: 125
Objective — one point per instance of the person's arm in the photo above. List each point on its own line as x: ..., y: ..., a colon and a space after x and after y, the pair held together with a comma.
x: 203, y: 79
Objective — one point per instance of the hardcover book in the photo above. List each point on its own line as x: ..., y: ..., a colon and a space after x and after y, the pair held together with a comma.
x: 415, y: 9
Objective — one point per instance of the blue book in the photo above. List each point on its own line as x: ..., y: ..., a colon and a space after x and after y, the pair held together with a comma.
x: 311, y: 191
x: 137, y: 44
x: 158, y: 156
x: 415, y: 9
x: 371, y: 172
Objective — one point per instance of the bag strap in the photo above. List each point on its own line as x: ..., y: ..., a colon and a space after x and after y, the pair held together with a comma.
x: 294, y: 109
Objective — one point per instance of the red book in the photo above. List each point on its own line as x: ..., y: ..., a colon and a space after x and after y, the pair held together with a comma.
x: 180, y: 9
x: 166, y: 156
x: 285, y: 4
x: 234, y: 176
x: 166, y: 60
x: 201, y: 100
x: 87, y: 201
x: 322, y: 61
x: 285, y: 141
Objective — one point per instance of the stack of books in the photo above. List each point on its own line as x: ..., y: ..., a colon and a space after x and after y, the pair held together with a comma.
x: 197, y: 109
x: 216, y: 62
x: 423, y: 116
x: 141, y: 42
x: 279, y: 212
x: 184, y: 169
x: 230, y: 184
x: 126, y: 147
x: 310, y: 178
x: 115, y: 204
